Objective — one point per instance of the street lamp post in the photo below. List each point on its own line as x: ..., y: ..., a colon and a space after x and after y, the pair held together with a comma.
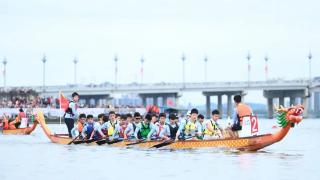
x: 205, y: 68
x: 115, y: 70
x: 75, y: 61
x: 4, y: 72
x: 183, y: 58
x: 141, y: 70
x: 44, y: 60
x: 266, y: 68
x: 249, y: 67
x: 310, y: 57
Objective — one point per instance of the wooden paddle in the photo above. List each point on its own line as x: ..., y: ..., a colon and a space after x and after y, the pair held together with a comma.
x: 84, y: 141
x: 138, y: 142
x: 102, y: 141
x: 115, y: 141
x: 74, y: 139
x: 163, y: 144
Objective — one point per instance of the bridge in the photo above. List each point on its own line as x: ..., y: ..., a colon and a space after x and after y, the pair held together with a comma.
x: 302, y: 91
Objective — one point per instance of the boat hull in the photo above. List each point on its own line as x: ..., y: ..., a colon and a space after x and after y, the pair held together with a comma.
x: 252, y: 143
x: 20, y: 131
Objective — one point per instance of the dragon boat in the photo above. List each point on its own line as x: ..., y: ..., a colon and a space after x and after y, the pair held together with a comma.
x: 20, y: 131
x: 287, y: 118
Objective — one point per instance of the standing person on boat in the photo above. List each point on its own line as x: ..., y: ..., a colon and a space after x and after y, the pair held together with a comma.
x: 212, y: 129
x: 143, y: 128
x: 159, y: 129
x: 190, y: 128
x: 88, y: 128
x: 241, y: 110
x: 71, y: 112
x: 131, y: 128
x: 79, y: 127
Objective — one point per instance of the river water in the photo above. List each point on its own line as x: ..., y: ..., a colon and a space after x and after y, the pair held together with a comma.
x: 35, y: 157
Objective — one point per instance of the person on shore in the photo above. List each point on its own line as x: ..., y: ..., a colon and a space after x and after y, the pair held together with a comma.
x: 212, y: 128
x: 79, y: 127
x: 71, y: 112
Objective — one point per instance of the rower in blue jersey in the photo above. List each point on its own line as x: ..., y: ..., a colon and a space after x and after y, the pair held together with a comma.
x: 88, y: 128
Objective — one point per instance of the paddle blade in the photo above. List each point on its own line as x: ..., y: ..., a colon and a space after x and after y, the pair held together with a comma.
x: 166, y: 143
x: 115, y: 141
x: 102, y: 142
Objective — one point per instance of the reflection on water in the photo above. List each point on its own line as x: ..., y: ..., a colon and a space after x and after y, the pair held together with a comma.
x: 295, y: 157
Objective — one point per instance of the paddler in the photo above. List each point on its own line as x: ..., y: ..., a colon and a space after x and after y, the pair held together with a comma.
x: 79, y: 126
x: 98, y: 132
x: 158, y: 130
x: 212, y: 128
x: 107, y: 126
x: 88, y: 128
x: 143, y: 128
x: 190, y: 129
x: 154, y: 120
x: 172, y: 126
x: 120, y: 128
x: 129, y: 132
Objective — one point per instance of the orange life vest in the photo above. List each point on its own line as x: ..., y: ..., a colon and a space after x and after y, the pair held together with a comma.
x: 80, y: 127
x: 243, y: 110
x: 6, y: 124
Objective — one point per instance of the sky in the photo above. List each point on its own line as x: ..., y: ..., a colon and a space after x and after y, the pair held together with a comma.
x: 160, y: 31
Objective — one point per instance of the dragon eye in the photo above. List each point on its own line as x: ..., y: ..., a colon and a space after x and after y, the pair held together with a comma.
x: 299, y: 111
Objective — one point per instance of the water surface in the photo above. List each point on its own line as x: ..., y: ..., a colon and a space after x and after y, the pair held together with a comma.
x: 35, y: 157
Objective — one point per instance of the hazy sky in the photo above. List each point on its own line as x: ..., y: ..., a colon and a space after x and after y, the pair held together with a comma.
x: 160, y: 31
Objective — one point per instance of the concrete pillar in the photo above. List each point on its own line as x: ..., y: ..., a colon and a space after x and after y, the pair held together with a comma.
x: 155, y: 100
x: 316, y: 103
x: 292, y: 101
x: 208, y: 105
x: 270, y: 108
x: 220, y: 104
x: 144, y: 101
x: 229, y: 105
x: 281, y: 101
x: 164, y: 101
x: 305, y: 102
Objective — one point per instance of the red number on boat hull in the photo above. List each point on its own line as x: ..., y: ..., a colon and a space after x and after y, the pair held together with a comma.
x: 254, y: 124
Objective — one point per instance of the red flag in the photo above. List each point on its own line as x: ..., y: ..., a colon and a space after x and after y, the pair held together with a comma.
x: 170, y: 102
x: 64, y: 103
